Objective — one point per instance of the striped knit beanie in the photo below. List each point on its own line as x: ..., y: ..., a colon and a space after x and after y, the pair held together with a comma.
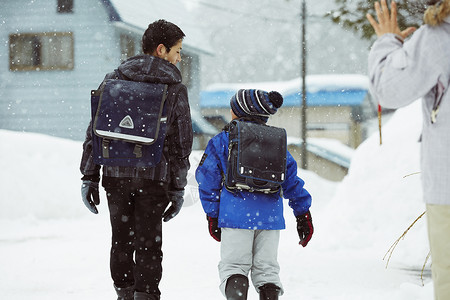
x: 255, y: 104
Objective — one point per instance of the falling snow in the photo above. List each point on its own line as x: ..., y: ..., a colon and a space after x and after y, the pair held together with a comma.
x: 47, y: 230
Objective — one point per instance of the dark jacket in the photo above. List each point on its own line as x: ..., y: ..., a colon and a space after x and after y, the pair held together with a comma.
x: 174, y: 163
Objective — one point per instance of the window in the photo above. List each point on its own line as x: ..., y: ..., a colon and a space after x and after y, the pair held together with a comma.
x: 65, y: 6
x: 126, y: 47
x: 41, y: 51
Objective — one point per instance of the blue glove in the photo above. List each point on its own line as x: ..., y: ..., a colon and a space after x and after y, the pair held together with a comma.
x: 176, y: 199
x: 90, y: 195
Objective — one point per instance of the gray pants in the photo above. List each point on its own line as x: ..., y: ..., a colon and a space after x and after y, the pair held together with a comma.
x: 244, y: 250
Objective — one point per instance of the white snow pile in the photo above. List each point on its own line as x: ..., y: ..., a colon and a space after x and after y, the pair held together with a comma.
x: 52, y: 247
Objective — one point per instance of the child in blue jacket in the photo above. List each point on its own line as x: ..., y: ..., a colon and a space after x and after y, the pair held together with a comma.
x: 248, y: 223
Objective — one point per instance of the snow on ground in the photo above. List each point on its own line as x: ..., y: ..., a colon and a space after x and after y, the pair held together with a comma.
x: 52, y: 247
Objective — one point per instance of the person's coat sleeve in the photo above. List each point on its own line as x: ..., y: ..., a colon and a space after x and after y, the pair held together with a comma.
x: 87, y: 166
x: 180, y: 142
x: 293, y: 189
x: 401, y: 73
x: 209, y: 178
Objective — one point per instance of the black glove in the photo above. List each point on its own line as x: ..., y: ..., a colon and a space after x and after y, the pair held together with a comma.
x: 305, y: 228
x: 213, y: 227
x: 90, y: 195
x: 176, y: 199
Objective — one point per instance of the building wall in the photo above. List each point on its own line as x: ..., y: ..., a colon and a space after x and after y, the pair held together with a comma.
x: 323, y: 122
x: 55, y: 102
x: 289, y: 119
x: 58, y: 102
x: 319, y: 165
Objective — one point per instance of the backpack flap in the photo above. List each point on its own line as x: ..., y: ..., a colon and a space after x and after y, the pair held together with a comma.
x: 262, y: 152
x: 257, y: 157
x: 129, y: 123
x: 130, y: 111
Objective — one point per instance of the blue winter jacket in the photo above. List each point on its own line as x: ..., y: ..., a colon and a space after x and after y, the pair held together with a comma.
x: 242, y: 209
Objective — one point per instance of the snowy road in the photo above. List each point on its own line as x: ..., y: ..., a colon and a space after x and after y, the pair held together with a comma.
x: 68, y: 259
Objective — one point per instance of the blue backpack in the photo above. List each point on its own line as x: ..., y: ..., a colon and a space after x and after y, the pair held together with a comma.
x: 129, y: 123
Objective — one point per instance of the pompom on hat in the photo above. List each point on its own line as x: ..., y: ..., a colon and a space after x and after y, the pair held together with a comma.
x: 255, y: 103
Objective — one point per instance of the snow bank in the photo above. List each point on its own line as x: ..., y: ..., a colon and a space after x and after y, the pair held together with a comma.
x: 382, y: 194
x: 39, y: 176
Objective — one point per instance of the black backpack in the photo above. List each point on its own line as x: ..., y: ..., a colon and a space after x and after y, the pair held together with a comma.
x: 257, y: 157
x: 129, y: 123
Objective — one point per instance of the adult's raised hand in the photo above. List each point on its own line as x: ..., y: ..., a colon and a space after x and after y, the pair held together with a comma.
x: 387, y: 21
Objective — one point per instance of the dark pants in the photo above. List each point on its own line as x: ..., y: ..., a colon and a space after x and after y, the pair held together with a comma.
x: 136, y: 209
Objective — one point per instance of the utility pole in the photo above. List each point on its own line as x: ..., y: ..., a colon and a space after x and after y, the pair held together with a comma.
x: 304, y: 159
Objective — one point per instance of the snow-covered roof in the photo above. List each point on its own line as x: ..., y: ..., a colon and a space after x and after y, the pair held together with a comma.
x: 329, y: 149
x: 200, y: 125
x: 139, y: 13
x: 322, y: 90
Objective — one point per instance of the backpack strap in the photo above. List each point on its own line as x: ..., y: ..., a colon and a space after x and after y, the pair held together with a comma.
x: 248, y: 119
x: 137, y: 150
x: 118, y: 74
x: 105, y: 148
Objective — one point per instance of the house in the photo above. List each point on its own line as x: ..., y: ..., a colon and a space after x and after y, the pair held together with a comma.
x: 328, y: 158
x: 53, y: 52
x: 337, y: 105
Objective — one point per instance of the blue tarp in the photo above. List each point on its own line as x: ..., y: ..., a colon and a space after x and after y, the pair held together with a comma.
x: 347, y: 97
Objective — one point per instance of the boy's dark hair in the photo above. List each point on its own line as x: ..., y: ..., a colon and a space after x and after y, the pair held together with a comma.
x: 161, y: 32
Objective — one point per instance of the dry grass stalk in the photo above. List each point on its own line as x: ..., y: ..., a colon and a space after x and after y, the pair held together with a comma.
x: 411, y: 174
x: 392, y: 248
x: 423, y: 268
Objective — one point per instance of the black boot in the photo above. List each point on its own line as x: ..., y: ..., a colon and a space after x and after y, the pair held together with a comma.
x: 125, y: 293
x: 237, y: 287
x: 269, y: 291
x: 144, y: 296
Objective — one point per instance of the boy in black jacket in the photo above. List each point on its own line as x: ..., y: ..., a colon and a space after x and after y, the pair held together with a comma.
x: 138, y: 197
